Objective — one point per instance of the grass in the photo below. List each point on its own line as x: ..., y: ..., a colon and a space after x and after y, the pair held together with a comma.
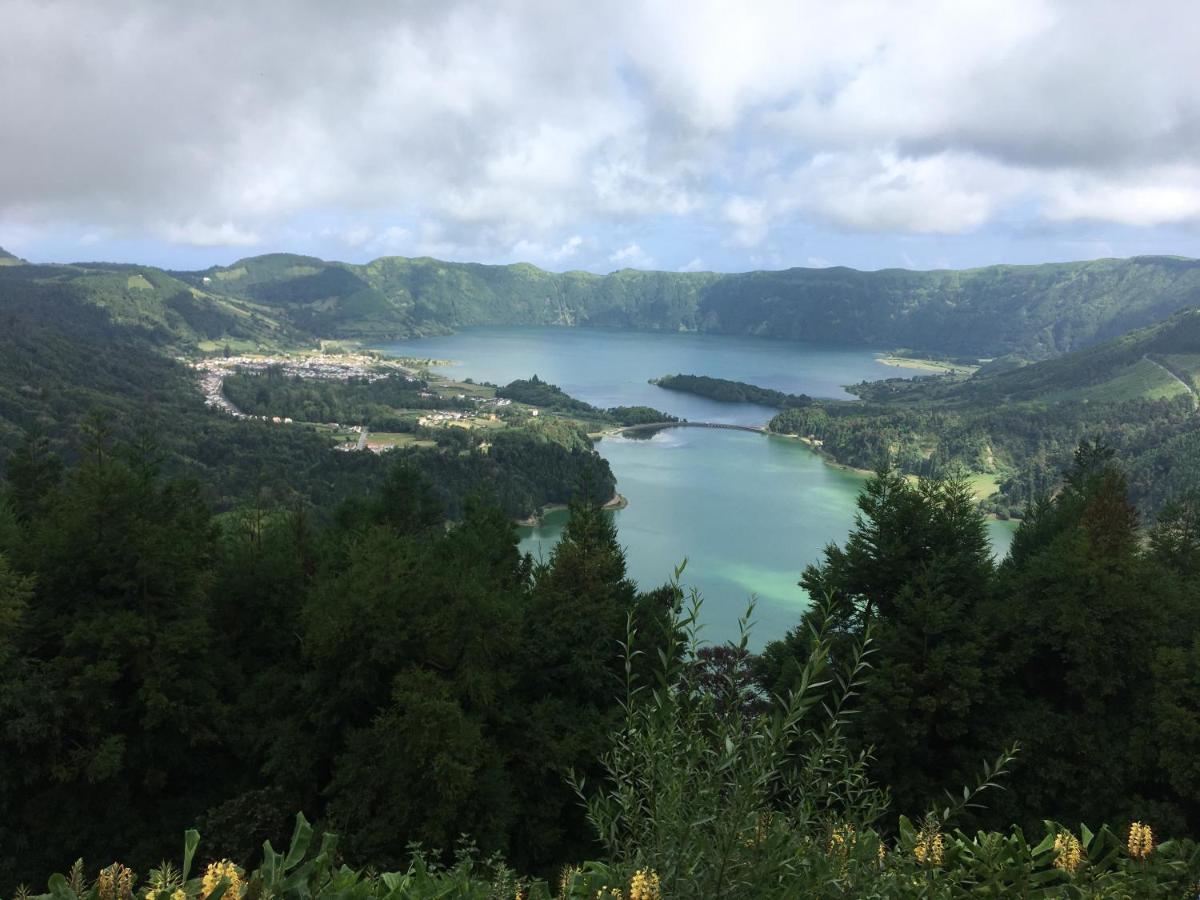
x: 138, y: 282
x: 926, y: 365
x: 1143, y: 379
x: 237, y: 346
x: 1187, y: 365
x: 984, y: 485
x: 388, y: 440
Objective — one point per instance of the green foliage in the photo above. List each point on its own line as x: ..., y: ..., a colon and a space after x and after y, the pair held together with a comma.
x: 536, y: 392
x: 377, y: 403
x: 916, y: 570
x: 1023, y: 424
x: 1060, y: 648
x: 1038, y: 311
x: 638, y: 415
x: 731, y: 391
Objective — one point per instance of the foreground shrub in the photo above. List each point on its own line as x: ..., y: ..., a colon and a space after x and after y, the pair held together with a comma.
x: 720, y: 799
x: 705, y: 796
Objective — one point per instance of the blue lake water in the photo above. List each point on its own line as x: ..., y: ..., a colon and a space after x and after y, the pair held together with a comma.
x: 747, y: 511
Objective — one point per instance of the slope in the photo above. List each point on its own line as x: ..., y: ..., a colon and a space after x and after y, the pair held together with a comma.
x: 1136, y: 393
x: 1033, y: 311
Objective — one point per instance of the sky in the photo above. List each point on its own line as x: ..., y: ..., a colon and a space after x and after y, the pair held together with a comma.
x: 601, y: 135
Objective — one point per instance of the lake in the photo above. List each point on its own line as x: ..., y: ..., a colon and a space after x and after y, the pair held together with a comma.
x: 747, y: 511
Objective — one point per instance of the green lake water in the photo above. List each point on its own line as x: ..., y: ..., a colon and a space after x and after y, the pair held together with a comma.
x: 747, y: 511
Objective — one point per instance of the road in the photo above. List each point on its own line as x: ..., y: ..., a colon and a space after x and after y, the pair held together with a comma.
x: 1191, y: 390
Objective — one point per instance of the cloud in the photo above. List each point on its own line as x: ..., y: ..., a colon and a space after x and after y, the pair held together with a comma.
x: 631, y: 256
x: 1151, y: 198
x: 204, y: 234
x: 696, y: 264
x: 748, y: 219
x: 491, y: 131
x: 943, y: 194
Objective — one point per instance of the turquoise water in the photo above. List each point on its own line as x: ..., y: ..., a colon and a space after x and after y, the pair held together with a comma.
x: 747, y: 511
x: 612, y: 368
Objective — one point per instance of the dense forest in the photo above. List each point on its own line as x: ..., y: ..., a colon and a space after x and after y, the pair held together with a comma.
x: 1032, y: 312
x: 727, y: 391
x: 357, y: 400
x: 218, y: 623
x: 66, y: 368
x: 401, y: 682
x: 540, y: 393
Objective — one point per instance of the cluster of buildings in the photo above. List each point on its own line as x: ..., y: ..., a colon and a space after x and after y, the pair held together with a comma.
x: 213, y: 371
x: 337, y: 368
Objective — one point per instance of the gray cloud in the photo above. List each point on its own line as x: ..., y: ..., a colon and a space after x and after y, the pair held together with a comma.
x: 497, y: 128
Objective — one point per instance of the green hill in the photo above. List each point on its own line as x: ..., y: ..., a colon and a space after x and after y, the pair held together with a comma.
x: 1034, y: 311
x: 7, y: 259
x: 159, y: 305
x: 1154, y: 363
x: 1020, y: 423
x: 1030, y: 312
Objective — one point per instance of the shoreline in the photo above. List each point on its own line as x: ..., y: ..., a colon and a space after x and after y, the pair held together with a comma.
x: 617, y: 501
x: 832, y: 462
x: 925, y: 365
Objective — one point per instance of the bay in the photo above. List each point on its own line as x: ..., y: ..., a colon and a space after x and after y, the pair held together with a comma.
x: 748, y: 512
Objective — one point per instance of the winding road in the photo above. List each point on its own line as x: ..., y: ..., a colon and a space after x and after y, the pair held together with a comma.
x: 1187, y: 385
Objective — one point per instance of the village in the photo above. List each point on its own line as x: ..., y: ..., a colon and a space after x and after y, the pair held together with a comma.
x: 214, y: 370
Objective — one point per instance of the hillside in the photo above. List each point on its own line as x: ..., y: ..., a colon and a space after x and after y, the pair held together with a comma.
x: 160, y: 307
x: 7, y: 259
x: 1033, y: 311
x: 1020, y: 423
x: 1155, y: 363
x: 1026, y: 312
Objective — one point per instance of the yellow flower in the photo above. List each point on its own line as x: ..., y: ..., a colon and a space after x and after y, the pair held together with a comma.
x: 178, y: 894
x: 841, y: 840
x: 1141, y: 840
x: 213, y: 875
x: 115, y: 883
x: 929, y: 849
x: 645, y: 885
x: 1068, y: 852
x: 564, y: 880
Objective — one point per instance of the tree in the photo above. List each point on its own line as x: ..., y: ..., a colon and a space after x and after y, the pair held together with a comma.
x: 1087, y: 625
x: 917, y: 567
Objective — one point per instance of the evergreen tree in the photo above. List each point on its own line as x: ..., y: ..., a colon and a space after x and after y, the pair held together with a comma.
x: 917, y: 568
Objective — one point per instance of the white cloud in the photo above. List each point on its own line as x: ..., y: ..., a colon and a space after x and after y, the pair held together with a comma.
x: 696, y: 264
x: 631, y: 256
x: 205, y: 234
x: 748, y: 219
x: 1154, y: 198
x: 943, y: 194
x: 501, y: 128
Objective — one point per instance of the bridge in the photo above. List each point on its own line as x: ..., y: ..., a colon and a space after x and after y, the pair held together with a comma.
x: 659, y: 426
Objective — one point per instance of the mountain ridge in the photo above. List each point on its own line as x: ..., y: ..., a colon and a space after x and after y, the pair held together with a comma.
x: 1034, y: 310
x: 1030, y: 312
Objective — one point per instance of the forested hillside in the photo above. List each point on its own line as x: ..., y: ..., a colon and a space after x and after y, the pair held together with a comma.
x: 1020, y: 424
x: 407, y: 684
x: 75, y: 360
x: 1032, y: 311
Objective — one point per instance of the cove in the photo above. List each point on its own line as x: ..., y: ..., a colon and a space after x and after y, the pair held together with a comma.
x: 747, y: 511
